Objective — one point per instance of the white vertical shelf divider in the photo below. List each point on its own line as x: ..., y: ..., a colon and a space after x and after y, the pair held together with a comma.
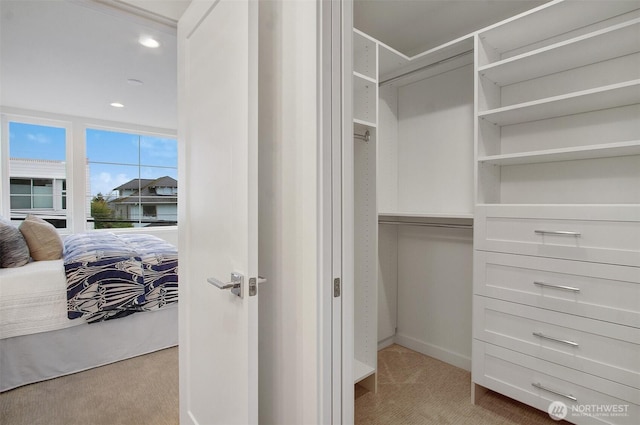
x: 365, y: 101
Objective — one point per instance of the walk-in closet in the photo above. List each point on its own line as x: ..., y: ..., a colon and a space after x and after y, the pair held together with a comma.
x: 497, y: 204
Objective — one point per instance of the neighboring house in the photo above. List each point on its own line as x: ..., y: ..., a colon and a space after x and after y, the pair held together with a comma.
x: 39, y: 187
x: 147, y: 201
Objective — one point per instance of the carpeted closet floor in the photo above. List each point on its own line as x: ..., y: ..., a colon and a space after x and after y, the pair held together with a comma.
x: 414, y: 389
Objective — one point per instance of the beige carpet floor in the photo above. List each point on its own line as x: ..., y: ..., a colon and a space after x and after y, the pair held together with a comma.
x: 138, y: 391
x: 414, y: 389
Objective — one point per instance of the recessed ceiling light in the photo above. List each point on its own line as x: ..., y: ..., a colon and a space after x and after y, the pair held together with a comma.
x: 134, y: 82
x: 149, y: 42
x: 117, y: 105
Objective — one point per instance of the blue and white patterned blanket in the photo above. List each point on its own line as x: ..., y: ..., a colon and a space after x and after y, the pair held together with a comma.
x: 111, y: 276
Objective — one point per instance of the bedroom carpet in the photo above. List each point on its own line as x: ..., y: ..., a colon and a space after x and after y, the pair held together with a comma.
x: 414, y: 389
x: 138, y: 391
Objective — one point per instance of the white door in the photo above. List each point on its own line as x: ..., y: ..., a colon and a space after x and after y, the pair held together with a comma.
x: 218, y: 236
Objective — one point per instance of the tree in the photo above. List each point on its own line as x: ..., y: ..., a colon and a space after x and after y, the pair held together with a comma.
x: 103, y: 214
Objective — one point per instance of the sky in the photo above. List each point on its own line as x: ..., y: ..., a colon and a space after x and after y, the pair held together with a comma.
x: 114, y: 158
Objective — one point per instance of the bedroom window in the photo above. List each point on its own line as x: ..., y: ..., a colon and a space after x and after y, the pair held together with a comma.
x: 37, y: 172
x: 133, y: 179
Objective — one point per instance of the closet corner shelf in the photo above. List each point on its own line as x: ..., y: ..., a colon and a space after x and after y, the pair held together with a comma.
x: 388, y: 215
x: 425, y: 215
x: 364, y: 77
x: 549, y: 20
x: 611, y: 96
x: 607, y: 150
x: 608, y: 43
x: 361, y: 371
x: 365, y: 123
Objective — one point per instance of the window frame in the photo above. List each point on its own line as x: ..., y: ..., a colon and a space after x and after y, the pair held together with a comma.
x: 77, y: 204
x: 5, y: 120
x: 133, y: 132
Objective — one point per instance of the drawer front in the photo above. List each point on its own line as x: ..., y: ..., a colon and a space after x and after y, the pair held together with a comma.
x: 561, y: 232
x: 539, y: 383
x: 599, y: 291
x: 599, y: 348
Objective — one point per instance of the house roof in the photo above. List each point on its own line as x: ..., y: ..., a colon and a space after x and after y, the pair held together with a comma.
x: 165, y: 181
x: 146, y: 192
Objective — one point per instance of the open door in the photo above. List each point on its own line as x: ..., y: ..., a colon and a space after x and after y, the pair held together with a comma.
x: 218, y: 236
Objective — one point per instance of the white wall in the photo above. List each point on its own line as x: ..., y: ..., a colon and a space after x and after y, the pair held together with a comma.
x: 434, y: 292
x: 435, y: 143
x: 288, y: 229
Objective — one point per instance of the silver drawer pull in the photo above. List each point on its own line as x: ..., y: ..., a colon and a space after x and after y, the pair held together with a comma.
x: 542, y: 387
x: 565, y: 288
x: 557, y: 232
x: 564, y: 341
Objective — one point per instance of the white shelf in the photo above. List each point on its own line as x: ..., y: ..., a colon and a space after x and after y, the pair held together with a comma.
x: 364, y: 54
x: 364, y: 77
x: 390, y: 60
x: 435, y: 61
x: 550, y: 20
x: 621, y: 94
x: 365, y: 123
x: 609, y: 43
x: 387, y: 215
x: 365, y: 99
x: 566, y: 154
x: 361, y: 371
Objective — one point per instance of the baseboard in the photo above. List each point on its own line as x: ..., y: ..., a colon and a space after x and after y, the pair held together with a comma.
x: 386, y: 342
x: 434, y: 351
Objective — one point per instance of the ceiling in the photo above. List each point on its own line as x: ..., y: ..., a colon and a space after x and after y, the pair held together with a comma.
x: 75, y: 57
x: 414, y: 26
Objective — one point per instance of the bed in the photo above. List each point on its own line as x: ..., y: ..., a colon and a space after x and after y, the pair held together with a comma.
x: 45, y: 333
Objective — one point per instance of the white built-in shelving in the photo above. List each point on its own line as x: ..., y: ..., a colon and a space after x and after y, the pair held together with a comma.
x: 365, y: 120
x: 606, y: 150
x: 361, y: 371
x: 608, y: 43
x: 611, y: 96
x: 557, y: 200
x: 365, y: 79
x: 559, y: 20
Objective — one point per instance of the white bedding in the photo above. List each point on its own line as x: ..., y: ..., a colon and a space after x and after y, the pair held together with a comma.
x: 33, y: 299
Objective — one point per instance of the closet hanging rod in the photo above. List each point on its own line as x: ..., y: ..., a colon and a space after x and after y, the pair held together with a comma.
x: 426, y: 224
x: 423, y: 68
x: 366, y: 136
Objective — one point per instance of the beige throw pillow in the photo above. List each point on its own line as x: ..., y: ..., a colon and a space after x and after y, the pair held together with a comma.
x: 43, y: 239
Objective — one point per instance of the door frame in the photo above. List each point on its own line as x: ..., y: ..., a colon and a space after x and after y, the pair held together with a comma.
x: 348, y: 208
x: 336, y: 212
x: 336, y: 122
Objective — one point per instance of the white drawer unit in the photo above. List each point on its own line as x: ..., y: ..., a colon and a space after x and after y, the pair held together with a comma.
x: 608, y: 234
x: 595, y: 290
x: 539, y: 383
x: 601, y: 348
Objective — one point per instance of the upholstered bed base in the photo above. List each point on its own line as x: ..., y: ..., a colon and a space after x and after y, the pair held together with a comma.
x: 31, y: 358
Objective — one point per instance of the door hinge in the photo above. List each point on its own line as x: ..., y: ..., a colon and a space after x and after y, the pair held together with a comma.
x: 336, y: 287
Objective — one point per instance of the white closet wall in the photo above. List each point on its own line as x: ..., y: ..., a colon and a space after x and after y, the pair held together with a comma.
x: 435, y: 143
